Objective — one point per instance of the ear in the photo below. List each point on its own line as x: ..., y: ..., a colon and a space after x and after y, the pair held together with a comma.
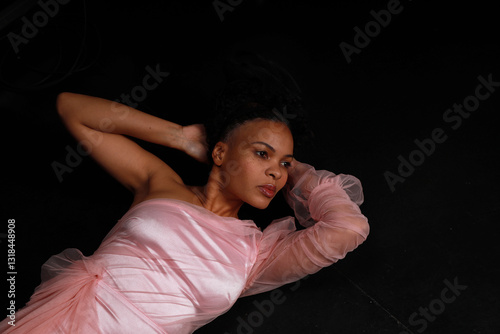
x: 218, y: 153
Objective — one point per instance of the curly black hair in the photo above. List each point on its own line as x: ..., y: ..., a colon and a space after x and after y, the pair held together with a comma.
x: 257, y: 88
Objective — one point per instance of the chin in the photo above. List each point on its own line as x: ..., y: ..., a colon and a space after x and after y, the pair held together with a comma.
x: 260, y: 204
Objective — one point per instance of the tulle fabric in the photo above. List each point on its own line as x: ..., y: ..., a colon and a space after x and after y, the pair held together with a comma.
x: 171, y: 267
x: 305, y: 179
x: 59, y: 305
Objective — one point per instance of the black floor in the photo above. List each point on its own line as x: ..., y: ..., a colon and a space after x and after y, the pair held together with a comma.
x: 430, y: 264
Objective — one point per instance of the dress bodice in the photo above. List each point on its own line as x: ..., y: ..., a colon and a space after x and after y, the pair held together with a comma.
x: 180, y: 264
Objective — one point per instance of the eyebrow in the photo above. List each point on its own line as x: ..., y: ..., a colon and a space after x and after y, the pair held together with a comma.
x: 271, y: 148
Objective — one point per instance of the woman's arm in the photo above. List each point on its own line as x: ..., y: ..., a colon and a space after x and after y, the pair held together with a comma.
x: 101, y: 127
x: 327, y: 204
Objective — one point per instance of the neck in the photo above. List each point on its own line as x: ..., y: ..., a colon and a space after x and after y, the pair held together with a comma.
x: 213, y: 197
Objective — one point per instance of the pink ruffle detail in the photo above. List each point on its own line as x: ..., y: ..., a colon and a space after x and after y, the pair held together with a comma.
x: 65, y: 300
x: 305, y: 179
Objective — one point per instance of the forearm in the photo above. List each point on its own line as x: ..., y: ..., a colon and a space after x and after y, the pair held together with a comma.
x: 340, y: 227
x: 331, y: 204
x: 303, y: 179
x: 113, y: 117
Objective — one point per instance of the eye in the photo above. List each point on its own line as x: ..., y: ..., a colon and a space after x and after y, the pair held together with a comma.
x: 286, y: 164
x: 262, y: 154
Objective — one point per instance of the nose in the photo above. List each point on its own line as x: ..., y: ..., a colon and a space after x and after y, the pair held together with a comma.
x: 274, y: 172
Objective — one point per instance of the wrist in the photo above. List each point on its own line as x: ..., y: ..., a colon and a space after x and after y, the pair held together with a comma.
x: 174, y: 137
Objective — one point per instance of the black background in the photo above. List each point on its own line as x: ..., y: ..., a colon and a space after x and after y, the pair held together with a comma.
x: 439, y: 224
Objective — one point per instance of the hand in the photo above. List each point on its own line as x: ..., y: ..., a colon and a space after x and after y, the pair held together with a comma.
x: 194, y: 142
x: 295, y: 171
x: 302, y: 178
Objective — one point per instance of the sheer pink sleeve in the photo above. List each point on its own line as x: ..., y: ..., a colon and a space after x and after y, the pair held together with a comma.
x: 325, y: 203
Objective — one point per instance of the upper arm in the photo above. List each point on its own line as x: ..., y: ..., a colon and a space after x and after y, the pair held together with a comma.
x: 120, y: 156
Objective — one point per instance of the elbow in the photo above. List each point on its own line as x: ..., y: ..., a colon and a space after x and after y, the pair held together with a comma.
x: 63, y: 101
x: 363, y: 227
x: 353, y: 221
x: 347, y: 238
x: 360, y: 227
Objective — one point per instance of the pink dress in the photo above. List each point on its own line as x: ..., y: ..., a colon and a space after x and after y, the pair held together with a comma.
x: 171, y: 267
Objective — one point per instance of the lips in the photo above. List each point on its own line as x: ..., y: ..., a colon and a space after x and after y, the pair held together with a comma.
x: 268, y: 190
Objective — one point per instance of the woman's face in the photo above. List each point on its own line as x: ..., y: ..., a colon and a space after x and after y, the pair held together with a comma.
x: 255, y: 161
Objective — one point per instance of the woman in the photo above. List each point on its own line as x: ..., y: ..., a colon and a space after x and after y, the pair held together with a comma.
x: 180, y: 256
